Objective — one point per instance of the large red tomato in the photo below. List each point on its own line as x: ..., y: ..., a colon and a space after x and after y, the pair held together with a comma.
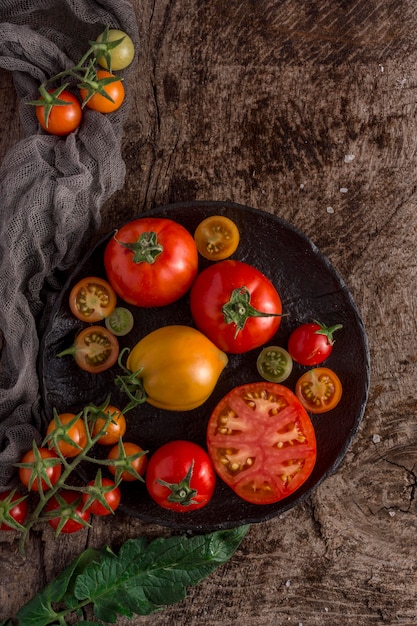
x: 151, y: 262
x: 261, y: 442
x: 236, y: 306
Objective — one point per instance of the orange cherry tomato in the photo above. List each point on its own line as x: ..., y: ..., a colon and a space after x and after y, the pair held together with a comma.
x: 64, y: 435
x: 319, y: 390
x: 124, y: 465
x: 216, y: 237
x: 92, y: 299
x: 114, y: 90
x: 114, y: 429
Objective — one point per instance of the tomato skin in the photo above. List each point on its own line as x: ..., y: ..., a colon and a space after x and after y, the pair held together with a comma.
x: 179, y: 367
x: 157, y: 283
x: 95, y: 349
x: 213, y: 289
x: 139, y: 464
x: 122, y: 55
x: 311, y: 343
x: 100, y: 103
x: 71, y: 525
x: 77, y: 433
x: 217, y: 237
x: 92, y: 299
x: 52, y: 471
x: 112, y: 497
x: 114, y: 429
x: 319, y: 390
x: 63, y: 119
x: 261, y: 442
x: 170, y: 464
x: 18, y: 512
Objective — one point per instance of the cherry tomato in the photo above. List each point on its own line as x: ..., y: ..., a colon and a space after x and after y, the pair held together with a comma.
x: 13, y: 510
x: 311, y: 344
x: 121, y: 55
x: 120, y: 322
x: 274, y: 364
x: 95, y: 349
x: 130, y: 461
x: 235, y: 306
x: 319, y: 390
x: 70, y: 518
x: 261, y: 442
x: 179, y: 367
x: 180, y: 476
x: 39, y: 469
x: 114, y: 429
x: 92, y: 299
x: 72, y: 439
x: 103, y: 497
x: 62, y: 119
x: 151, y: 262
x: 217, y: 237
x: 115, y: 94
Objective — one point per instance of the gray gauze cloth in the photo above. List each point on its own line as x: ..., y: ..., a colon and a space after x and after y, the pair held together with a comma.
x: 51, y: 192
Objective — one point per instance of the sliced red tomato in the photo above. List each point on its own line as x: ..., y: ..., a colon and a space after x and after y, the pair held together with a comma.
x: 151, y: 262
x: 235, y: 306
x: 262, y: 442
x: 95, y: 349
x: 217, y: 237
x: 319, y: 390
x: 92, y: 299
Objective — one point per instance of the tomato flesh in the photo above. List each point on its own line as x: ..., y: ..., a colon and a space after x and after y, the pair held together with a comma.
x: 217, y: 237
x: 274, y: 364
x: 92, y: 299
x: 319, y: 390
x: 262, y: 442
x: 95, y: 349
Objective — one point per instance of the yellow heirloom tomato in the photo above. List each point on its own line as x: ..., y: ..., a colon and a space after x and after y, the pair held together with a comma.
x: 179, y: 367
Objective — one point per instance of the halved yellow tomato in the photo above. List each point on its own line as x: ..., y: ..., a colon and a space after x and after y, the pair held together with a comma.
x: 217, y: 237
x: 319, y: 390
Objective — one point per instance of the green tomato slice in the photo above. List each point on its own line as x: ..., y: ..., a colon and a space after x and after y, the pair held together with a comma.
x: 120, y: 322
x: 274, y: 364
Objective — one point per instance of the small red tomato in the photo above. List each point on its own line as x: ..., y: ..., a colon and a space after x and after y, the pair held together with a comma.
x: 312, y: 343
x: 62, y: 118
x: 114, y: 429
x: 13, y: 508
x: 129, y: 461
x: 39, y: 469
x: 95, y: 349
x: 67, y: 432
x: 71, y: 518
x: 104, y: 497
x: 92, y: 299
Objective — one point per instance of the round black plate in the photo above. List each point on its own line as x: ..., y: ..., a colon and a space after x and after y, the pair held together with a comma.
x: 310, y: 289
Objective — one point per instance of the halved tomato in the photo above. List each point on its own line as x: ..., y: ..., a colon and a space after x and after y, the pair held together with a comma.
x: 95, y: 349
x: 319, y: 390
x: 261, y: 442
x: 92, y: 299
x: 217, y: 237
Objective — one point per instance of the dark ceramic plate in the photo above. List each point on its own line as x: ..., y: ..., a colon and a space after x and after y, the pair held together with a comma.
x: 310, y: 289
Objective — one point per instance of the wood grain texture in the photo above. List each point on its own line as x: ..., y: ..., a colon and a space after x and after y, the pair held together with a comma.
x: 306, y: 110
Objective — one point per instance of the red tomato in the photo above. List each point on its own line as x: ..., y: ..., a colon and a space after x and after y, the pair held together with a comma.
x: 92, y: 299
x: 62, y: 119
x: 104, y: 497
x: 311, y: 344
x: 114, y: 429
x: 129, y: 461
x: 151, y: 262
x: 236, y: 306
x: 114, y: 90
x: 262, y: 442
x: 180, y: 476
x: 13, y: 509
x: 319, y: 390
x: 39, y: 469
x: 70, y: 518
x: 95, y: 349
x: 68, y: 433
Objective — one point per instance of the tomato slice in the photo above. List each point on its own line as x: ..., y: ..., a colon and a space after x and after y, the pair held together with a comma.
x: 319, y: 390
x: 217, y: 237
x: 274, y: 364
x: 92, y: 299
x: 95, y: 349
x: 262, y: 442
x: 120, y: 322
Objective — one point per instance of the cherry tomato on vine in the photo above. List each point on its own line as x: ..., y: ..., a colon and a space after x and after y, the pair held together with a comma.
x: 114, y: 90
x: 319, y: 390
x: 13, y: 509
x: 217, y: 237
x: 39, y: 469
x: 312, y: 343
x: 120, y: 56
x: 261, y: 442
x: 235, y: 305
x: 95, y: 349
x: 114, y: 429
x: 180, y: 476
x: 274, y: 364
x: 61, y: 119
x: 151, y: 262
x: 130, y: 461
x: 92, y: 299
x: 70, y: 515
x: 67, y: 431
x: 104, y: 497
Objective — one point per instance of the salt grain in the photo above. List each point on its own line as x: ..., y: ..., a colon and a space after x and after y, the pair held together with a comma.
x: 349, y: 158
x: 376, y: 438
x: 330, y: 209
x: 343, y: 190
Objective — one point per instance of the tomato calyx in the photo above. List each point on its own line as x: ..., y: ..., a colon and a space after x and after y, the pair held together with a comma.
x: 239, y: 309
x: 327, y: 331
x: 130, y: 383
x: 181, y: 493
x: 145, y: 250
x: 9, y: 504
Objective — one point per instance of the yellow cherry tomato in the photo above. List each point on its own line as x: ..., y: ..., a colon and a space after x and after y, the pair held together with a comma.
x: 179, y: 367
x: 216, y: 237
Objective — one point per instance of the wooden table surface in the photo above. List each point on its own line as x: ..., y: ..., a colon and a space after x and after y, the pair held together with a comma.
x: 306, y: 110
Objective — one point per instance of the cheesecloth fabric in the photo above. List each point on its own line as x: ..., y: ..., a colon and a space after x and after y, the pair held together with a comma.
x: 51, y: 192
